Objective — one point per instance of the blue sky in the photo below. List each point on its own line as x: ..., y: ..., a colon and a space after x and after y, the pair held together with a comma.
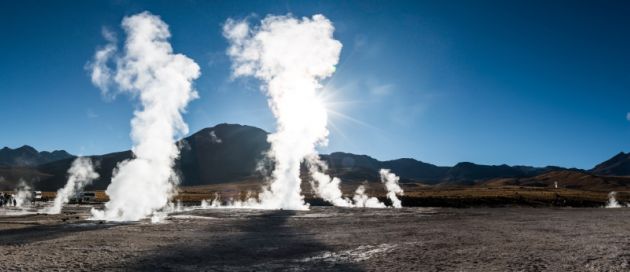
x: 516, y: 82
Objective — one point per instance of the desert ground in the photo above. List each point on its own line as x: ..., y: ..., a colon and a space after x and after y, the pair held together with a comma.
x: 323, y: 239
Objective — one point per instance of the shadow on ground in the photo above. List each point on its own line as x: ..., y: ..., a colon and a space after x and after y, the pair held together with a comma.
x: 263, y: 242
x: 39, y: 233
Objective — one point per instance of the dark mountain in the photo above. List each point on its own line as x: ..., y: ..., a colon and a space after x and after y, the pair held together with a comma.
x: 349, y: 166
x: 223, y: 153
x: 468, y: 172
x: 471, y: 173
x: 227, y: 153
x: 618, y: 165
x: 29, y: 156
x: 12, y: 176
x: 57, y: 171
x: 361, y: 167
x: 413, y: 169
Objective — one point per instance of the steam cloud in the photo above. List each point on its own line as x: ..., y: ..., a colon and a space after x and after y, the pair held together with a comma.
x: 101, y: 73
x: 23, y: 194
x: 290, y: 56
x: 81, y: 174
x: 391, y: 185
x: 361, y: 200
x: 328, y: 188
x: 162, y: 81
x: 612, y: 201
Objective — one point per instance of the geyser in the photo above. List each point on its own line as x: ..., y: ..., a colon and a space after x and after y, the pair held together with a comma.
x: 80, y: 174
x: 327, y: 187
x: 391, y: 185
x: 162, y: 82
x: 612, y: 200
x: 291, y: 57
x: 23, y: 194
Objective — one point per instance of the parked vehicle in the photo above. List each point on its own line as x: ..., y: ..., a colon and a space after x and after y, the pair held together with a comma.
x: 87, y: 197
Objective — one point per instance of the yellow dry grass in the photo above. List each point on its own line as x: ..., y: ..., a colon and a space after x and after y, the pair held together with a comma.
x: 414, y: 193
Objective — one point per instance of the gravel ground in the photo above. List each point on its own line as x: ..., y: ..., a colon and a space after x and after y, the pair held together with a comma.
x: 324, y: 239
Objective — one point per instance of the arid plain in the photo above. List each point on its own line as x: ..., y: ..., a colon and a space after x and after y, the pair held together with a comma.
x: 324, y: 239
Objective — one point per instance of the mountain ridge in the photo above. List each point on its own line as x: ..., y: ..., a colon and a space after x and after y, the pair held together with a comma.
x: 233, y: 152
x: 618, y: 165
x: 28, y: 156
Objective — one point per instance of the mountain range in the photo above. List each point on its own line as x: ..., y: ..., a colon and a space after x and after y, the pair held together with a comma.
x: 231, y: 152
x: 29, y: 156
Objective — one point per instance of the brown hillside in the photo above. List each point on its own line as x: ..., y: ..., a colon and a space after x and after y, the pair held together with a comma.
x: 566, y: 179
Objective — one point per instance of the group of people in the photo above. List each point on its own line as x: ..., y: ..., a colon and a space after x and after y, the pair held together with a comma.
x: 7, y: 200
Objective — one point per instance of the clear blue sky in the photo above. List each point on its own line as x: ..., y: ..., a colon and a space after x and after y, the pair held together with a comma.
x: 516, y: 82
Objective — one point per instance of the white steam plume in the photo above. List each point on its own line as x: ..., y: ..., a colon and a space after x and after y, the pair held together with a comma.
x: 162, y: 81
x: 391, y: 185
x: 612, y: 201
x: 328, y: 188
x: 325, y: 186
x: 100, y: 72
x: 290, y: 56
x: 81, y: 174
x: 361, y: 200
x: 23, y: 194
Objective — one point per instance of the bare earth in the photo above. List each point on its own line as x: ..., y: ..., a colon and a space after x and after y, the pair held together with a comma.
x: 325, y: 238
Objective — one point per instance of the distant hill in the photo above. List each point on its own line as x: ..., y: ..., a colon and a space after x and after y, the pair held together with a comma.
x: 223, y: 153
x: 29, y: 156
x: 361, y: 167
x: 470, y: 173
x: 231, y: 152
x: 349, y: 166
x: 565, y: 179
x: 618, y: 165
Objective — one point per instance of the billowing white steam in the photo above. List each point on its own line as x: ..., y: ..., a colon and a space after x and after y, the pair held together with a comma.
x: 23, y: 194
x: 100, y: 72
x: 290, y: 56
x: 361, y: 200
x: 81, y: 173
x: 327, y: 187
x: 391, y: 185
x: 612, y: 201
x: 162, y: 81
